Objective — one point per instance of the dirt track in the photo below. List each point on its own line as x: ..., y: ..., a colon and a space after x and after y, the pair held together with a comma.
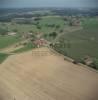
x: 42, y: 75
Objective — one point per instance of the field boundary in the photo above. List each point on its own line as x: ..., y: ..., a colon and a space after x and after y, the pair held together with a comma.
x: 71, y: 60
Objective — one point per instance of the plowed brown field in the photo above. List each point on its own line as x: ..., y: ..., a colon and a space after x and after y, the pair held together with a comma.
x: 42, y: 75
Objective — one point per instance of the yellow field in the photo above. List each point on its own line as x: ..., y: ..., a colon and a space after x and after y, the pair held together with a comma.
x: 43, y: 75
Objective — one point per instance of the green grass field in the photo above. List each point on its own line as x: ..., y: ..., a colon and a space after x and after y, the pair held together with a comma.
x: 3, y: 57
x: 83, y: 42
x: 6, y: 41
x: 27, y: 47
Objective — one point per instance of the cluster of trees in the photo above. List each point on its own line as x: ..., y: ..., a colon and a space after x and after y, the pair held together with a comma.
x: 38, y: 27
x: 59, y: 47
x: 51, y: 35
x: 9, y: 18
x: 92, y: 62
x: 37, y: 18
x: 34, y: 21
x: 61, y: 30
x: 53, y: 26
x: 27, y: 18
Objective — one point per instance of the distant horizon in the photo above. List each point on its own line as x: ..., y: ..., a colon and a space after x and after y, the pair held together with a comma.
x: 48, y: 3
x: 48, y: 7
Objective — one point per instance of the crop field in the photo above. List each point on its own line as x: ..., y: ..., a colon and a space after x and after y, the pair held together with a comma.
x: 80, y: 43
x: 41, y: 74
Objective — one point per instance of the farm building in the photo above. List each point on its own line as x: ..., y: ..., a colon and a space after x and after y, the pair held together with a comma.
x: 30, y: 33
x: 12, y: 33
x: 77, y: 23
x: 27, y: 35
x: 40, y: 42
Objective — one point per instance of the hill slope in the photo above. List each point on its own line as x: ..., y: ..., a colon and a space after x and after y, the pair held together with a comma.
x: 43, y: 75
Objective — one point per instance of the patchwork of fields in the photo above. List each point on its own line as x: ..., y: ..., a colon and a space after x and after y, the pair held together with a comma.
x: 32, y: 27
x: 77, y: 43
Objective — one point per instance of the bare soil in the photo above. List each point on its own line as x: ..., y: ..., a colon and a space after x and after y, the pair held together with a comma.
x: 43, y: 75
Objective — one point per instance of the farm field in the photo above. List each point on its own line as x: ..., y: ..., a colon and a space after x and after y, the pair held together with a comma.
x: 6, y: 41
x: 32, y: 27
x: 41, y: 74
x: 81, y: 43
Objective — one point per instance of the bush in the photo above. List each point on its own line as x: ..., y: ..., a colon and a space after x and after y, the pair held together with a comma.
x: 51, y: 44
x: 15, y: 30
x: 61, y: 31
x: 75, y: 62
x: 93, y: 65
x: 57, y: 26
x: 53, y: 34
x: 37, y: 19
x: 24, y: 43
x: 38, y: 27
